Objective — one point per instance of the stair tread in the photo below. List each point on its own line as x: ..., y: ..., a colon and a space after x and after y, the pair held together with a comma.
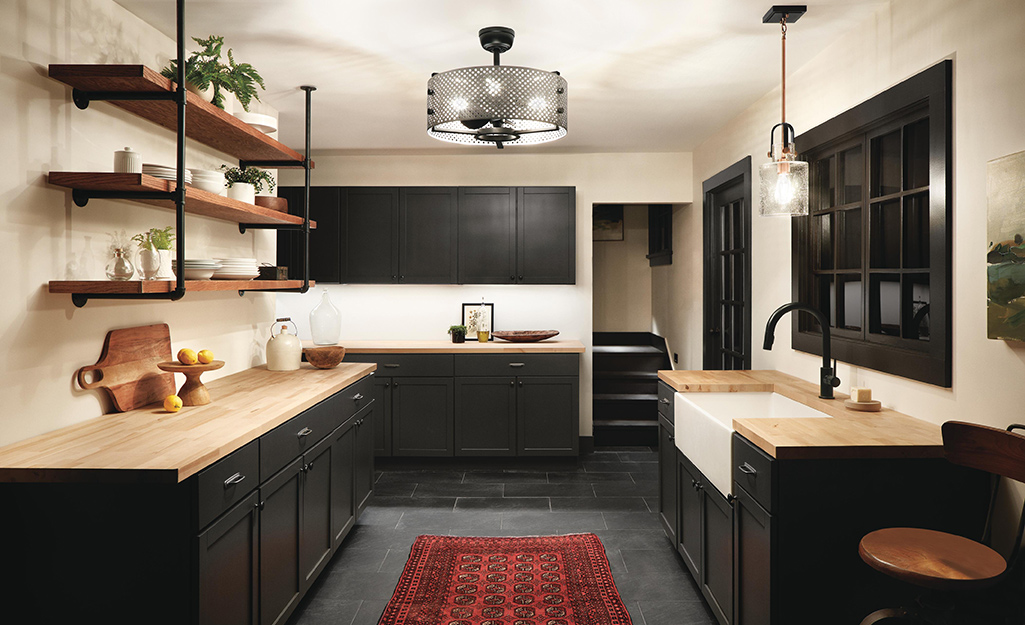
x: 614, y: 374
x: 626, y: 349
x: 624, y: 423
x: 625, y: 396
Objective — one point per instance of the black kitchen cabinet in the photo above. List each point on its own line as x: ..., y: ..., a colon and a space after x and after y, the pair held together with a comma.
x: 542, y: 407
x: 326, y: 210
x: 364, y: 456
x: 752, y: 561
x: 717, y: 552
x: 422, y: 416
x: 667, y: 479
x: 688, y: 532
x: 369, y: 236
x: 487, y: 235
x: 343, y: 481
x: 546, y: 235
x: 427, y: 235
x: 228, y: 559
x: 280, y: 522
x: 316, y: 542
x: 485, y: 416
x: 382, y: 420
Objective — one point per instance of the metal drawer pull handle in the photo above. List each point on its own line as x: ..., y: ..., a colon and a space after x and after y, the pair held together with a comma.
x: 234, y: 479
x: 357, y: 397
x: 391, y: 365
x: 304, y: 432
x: 748, y: 469
x: 516, y: 364
x: 664, y: 400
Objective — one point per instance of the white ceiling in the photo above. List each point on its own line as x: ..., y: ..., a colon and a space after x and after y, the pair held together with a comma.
x: 644, y: 75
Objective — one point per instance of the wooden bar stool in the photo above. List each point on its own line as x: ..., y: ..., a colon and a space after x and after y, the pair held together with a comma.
x: 941, y: 562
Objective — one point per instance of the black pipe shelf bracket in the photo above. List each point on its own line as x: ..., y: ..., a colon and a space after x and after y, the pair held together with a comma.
x: 83, y: 98
x: 81, y: 197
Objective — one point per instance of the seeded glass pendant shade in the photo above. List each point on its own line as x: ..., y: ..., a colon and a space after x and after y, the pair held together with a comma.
x: 496, y: 105
x: 783, y: 182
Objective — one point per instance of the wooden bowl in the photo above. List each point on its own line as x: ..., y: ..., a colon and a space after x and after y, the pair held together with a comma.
x: 324, y: 357
x: 274, y: 203
x: 524, y: 336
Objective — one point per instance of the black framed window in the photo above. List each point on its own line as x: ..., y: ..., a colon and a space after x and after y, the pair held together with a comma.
x: 874, y: 254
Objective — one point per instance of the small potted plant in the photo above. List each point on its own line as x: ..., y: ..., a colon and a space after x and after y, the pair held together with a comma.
x: 458, y: 334
x: 155, y: 249
x: 244, y: 184
x: 209, y: 78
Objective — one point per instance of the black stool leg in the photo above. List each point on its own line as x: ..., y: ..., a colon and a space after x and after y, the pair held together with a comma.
x: 889, y: 613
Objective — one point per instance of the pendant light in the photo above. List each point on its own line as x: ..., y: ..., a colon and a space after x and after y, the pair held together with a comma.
x: 496, y: 104
x: 784, y: 181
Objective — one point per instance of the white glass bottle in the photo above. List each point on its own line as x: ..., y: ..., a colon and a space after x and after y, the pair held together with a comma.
x: 325, y: 322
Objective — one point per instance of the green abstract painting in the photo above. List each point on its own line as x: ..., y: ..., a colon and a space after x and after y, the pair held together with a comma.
x: 1005, y: 229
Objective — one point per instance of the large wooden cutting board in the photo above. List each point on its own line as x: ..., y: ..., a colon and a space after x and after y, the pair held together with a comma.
x: 127, y: 368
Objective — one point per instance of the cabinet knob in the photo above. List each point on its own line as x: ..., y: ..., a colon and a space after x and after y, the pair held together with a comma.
x: 730, y: 499
x: 694, y: 484
x: 234, y: 479
x: 512, y: 278
x: 521, y: 382
x: 521, y: 277
x: 395, y: 384
x: 672, y: 438
x: 511, y: 383
x: 304, y: 432
x: 402, y: 277
x: 309, y: 467
x: 393, y: 276
x: 258, y: 505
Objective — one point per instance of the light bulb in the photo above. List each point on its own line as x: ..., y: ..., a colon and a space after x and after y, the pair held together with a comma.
x: 785, y: 191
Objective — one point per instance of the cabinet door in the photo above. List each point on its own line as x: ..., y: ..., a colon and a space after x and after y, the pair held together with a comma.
x: 547, y: 415
x: 343, y: 501
x: 280, y: 523
x: 688, y: 532
x: 382, y: 416
x: 325, y: 209
x: 667, y: 476
x: 364, y: 457
x: 228, y: 556
x: 752, y: 561
x: 487, y: 235
x: 427, y: 235
x: 485, y: 416
x: 316, y: 543
x: 369, y: 236
x: 717, y: 552
x: 422, y: 417
x: 546, y: 235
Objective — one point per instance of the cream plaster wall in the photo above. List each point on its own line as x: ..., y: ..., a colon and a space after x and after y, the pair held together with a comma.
x: 902, y: 39
x: 426, y: 312
x: 44, y: 338
x: 622, y: 277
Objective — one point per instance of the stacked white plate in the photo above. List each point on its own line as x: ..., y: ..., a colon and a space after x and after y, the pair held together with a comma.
x: 212, y: 181
x: 198, y: 268
x: 237, y: 269
x: 166, y: 173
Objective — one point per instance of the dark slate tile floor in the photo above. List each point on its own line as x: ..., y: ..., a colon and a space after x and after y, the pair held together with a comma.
x: 611, y: 492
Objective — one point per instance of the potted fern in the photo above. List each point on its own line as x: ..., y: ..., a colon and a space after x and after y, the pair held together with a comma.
x: 210, y: 79
x: 244, y: 184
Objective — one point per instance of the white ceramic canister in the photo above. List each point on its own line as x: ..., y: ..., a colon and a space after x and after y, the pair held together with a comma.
x: 127, y: 161
x: 284, y: 350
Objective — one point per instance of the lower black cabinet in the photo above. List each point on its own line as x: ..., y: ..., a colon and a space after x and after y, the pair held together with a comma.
x: 688, y: 533
x: 315, y: 540
x: 422, y: 417
x: 717, y: 552
x: 752, y: 559
x: 363, y: 443
x: 343, y: 498
x: 667, y: 479
x: 382, y: 417
x: 542, y: 407
x: 227, y: 558
x: 485, y: 414
x: 280, y: 523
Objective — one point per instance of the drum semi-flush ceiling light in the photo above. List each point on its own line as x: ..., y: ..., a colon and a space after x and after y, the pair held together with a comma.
x: 496, y: 104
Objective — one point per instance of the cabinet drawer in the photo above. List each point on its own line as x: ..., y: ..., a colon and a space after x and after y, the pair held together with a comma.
x: 408, y: 365
x: 226, y: 482
x: 356, y: 397
x: 297, y: 435
x: 755, y: 471
x: 666, y: 397
x: 517, y: 364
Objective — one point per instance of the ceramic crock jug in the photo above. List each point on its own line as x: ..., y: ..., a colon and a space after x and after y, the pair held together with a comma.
x: 284, y: 351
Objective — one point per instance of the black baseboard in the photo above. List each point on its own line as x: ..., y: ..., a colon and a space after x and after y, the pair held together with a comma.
x: 586, y: 444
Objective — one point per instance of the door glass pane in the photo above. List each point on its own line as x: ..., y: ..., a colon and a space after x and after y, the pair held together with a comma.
x: 852, y: 173
x: 851, y: 302
x: 727, y: 277
x: 916, y: 155
x: 885, y: 252
x: 825, y: 185
x: 884, y: 304
x: 738, y: 277
x: 916, y: 305
x: 823, y: 225
x: 886, y: 164
x: 727, y: 228
x: 849, y: 238
x: 916, y: 231
x: 738, y: 329
x: 738, y: 225
x: 825, y: 301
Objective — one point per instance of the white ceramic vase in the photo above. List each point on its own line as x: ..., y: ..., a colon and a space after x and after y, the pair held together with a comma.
x: 149, y: 263
x: 243, y: 192
x: 164, y: 272
x: 207, y: 95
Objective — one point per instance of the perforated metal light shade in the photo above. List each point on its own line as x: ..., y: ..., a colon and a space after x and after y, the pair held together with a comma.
x: 501, y: 104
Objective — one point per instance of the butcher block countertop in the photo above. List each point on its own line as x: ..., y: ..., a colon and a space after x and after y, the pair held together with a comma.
x: 848, y: 434
x: 152, y: 445
x: 469, y: 347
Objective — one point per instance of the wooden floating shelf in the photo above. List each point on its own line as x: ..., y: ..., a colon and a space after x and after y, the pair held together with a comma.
x: 165, y: 286
x: 204, y: 122
x: 197, y: 201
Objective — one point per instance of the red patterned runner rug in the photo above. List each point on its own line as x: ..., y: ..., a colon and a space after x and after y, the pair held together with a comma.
x: 534, y: 580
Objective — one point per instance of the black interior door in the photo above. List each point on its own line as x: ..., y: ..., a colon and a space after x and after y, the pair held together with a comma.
x: 487, y: 235
x: 369, y: 236
x: 727, y: 234
x: 427, y: 235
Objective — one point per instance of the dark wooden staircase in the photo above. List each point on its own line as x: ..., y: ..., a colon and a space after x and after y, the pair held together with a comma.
x: 625, y: 387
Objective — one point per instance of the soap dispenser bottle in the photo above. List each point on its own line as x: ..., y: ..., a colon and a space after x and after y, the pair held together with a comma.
x: 284, y: 351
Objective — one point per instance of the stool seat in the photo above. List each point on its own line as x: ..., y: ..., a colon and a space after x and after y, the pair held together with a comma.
x: 932, y: 559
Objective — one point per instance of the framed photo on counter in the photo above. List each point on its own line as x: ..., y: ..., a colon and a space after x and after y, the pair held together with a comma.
x: 471, y: 314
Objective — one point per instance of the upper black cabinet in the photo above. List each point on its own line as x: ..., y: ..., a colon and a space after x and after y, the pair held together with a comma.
x: 487, y: 235
x: 545, y: 235
x: 427, y: 235
x: 368, y: 235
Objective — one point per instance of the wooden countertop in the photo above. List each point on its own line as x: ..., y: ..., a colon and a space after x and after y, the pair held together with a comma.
x: 469, y: 347
x: 848, y: 434
x: 151, y: 445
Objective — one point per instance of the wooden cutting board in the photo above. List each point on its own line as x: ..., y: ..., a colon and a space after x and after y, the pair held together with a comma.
x: 127, y: 368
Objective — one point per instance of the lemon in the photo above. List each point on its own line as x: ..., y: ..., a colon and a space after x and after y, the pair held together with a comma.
x: 187, y: 357
x: 205, y: 356
x: 172, y: 403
